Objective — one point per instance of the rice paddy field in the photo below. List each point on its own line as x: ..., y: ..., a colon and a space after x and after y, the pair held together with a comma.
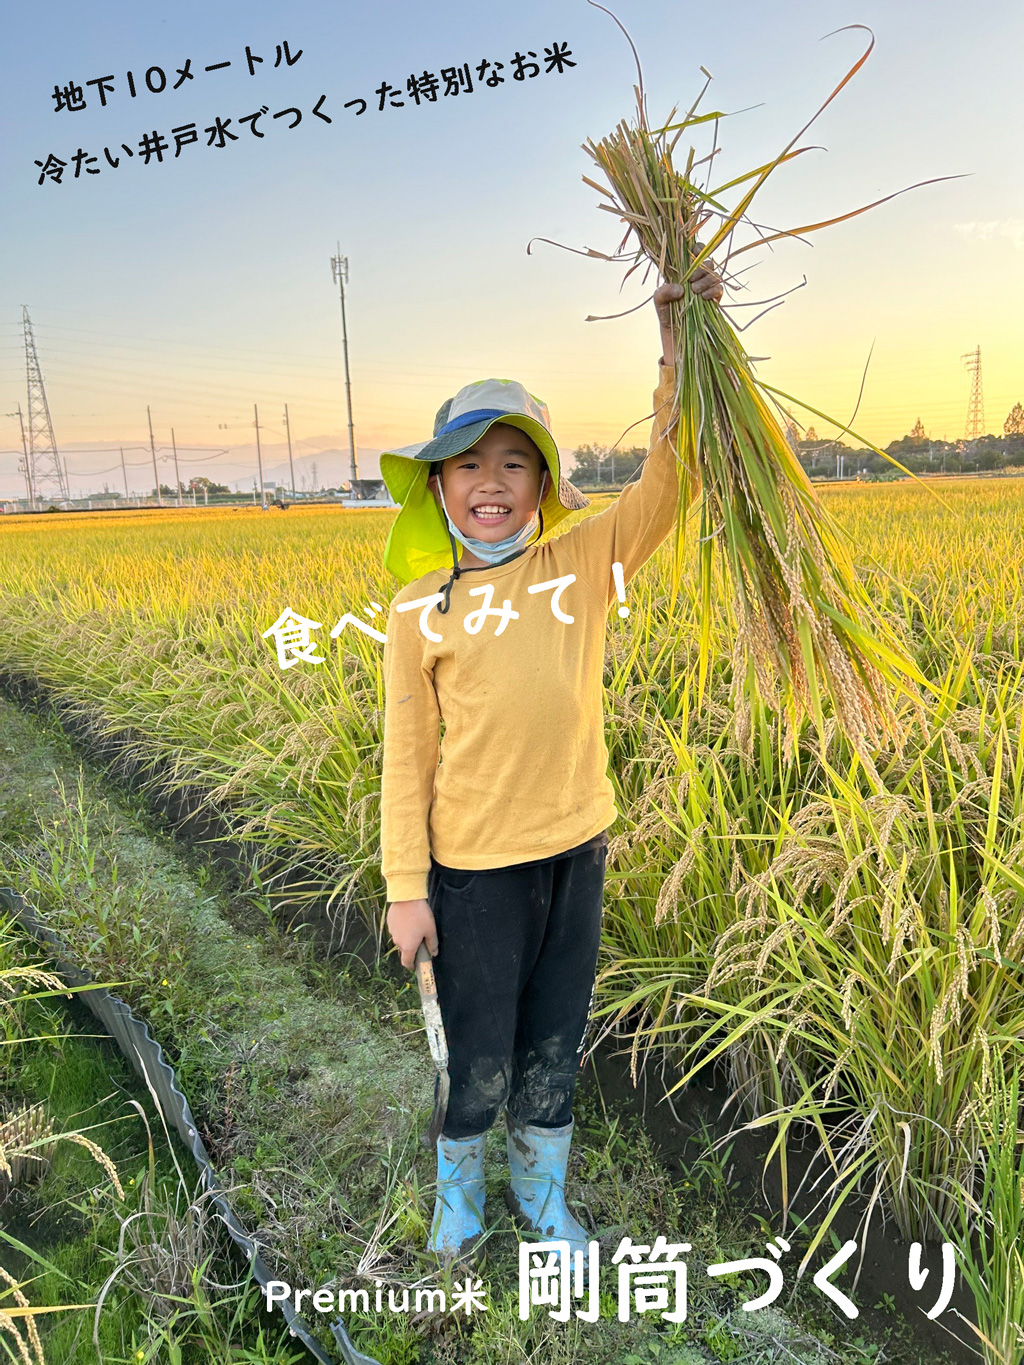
x: 844, y: 941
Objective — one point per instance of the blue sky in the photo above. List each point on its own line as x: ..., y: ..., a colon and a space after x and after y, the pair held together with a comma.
x: 201, y: 284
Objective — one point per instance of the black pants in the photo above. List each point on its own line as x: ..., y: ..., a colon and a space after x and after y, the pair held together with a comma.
x: 517, y: 954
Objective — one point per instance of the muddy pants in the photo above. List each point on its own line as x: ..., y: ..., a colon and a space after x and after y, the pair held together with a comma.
x: 517, y: 954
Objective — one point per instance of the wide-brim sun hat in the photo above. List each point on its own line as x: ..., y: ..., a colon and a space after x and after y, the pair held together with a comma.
x: 419, y: 539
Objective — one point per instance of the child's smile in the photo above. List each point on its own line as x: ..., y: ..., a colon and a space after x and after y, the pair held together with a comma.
x: 491, y: 513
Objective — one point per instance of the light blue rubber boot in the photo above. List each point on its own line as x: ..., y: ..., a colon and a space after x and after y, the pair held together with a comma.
x: 537, y: 1161
x: 459, y: 1206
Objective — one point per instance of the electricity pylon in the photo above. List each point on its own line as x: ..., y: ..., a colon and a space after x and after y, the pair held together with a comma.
x: 44, y: 463
x: 976, y: 407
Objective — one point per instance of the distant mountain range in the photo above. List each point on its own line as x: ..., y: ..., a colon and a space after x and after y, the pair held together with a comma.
x: 332, y: 466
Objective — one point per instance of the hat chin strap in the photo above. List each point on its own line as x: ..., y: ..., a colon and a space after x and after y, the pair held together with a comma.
x: 455, y: 573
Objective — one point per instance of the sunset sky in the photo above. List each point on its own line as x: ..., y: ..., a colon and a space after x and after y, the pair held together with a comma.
x: 201, y: 284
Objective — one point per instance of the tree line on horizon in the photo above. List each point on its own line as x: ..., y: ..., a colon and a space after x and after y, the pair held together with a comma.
x: 595, y: 465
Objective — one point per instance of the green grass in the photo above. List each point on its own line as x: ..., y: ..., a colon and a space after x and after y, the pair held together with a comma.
x: 311, y: 1086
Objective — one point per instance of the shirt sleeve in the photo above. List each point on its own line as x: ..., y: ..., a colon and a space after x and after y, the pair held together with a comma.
x: 411, y: 748
x: 641, y: 517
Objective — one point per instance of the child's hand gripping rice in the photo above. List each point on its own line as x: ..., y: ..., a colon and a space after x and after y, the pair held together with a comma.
x: 495, y: 856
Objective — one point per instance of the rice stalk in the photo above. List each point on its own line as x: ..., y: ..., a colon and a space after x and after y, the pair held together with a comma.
x: 804, y: 623
x: 986, y: 1224
x: 21, y: 1132
x: 30, y: 1348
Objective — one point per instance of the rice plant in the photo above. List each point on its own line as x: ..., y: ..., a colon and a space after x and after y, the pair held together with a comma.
x: 987, y: 1228
x: 804, y: 623
x: 27, y: 1138
x: 812, y: 923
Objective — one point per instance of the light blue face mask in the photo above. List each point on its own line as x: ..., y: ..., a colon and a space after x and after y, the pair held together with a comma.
x: 494, y: 551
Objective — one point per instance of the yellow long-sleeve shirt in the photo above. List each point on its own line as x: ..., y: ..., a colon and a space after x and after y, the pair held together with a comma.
x: 523, y: 761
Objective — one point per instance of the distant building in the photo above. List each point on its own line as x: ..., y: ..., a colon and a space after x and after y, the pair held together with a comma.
x: 369, y: 490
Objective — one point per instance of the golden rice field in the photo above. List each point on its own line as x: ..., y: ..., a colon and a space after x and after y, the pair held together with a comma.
x: 849, y: 942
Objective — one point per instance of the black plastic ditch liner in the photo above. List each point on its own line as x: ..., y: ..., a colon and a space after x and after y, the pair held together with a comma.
x: 146, y: 1057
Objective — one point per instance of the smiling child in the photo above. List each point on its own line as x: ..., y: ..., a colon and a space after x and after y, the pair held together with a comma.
x: 494, y: 836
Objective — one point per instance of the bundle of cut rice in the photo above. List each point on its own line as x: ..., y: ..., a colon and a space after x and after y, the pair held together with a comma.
x: 805, y: 623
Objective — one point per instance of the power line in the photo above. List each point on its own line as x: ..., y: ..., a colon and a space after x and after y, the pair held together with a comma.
x: 26, y: 466
x: 152, y: 447
x: 291, y: 463
x: 177, y: 476
x: 259, y: 455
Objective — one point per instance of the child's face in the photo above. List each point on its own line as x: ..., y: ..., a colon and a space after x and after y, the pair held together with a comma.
x: 491, y: 490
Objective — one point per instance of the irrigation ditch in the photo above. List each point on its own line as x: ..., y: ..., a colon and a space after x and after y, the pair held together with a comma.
x: 146, y: 1058
x: 678, y: 1132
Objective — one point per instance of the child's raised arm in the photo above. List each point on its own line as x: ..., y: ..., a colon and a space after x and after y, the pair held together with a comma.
x: 638, y: 521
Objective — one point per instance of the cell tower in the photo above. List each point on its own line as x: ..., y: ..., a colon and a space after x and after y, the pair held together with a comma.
x: 44, y: 462
x: 339, y: 273
x: 976, y: 407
